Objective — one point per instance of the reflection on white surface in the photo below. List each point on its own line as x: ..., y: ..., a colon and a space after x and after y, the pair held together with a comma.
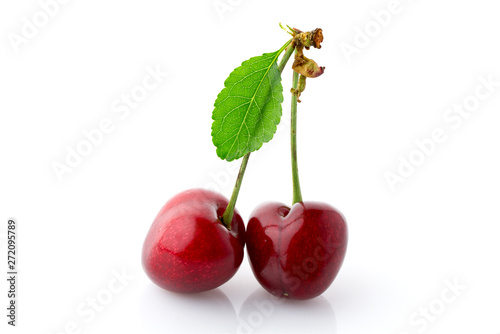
x: 263, y: 313
x: 166, y: 312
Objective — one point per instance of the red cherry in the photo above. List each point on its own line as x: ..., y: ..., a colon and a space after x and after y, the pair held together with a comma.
x: 296, y: 253
x: 188, y: 249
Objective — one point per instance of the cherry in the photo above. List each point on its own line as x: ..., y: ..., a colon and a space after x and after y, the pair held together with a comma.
x: 188, y: 249
x: 297, y: 252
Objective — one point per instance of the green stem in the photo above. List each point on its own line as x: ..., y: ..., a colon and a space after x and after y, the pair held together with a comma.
x: 227, y: 217
x: 297, y: 194
x: 286, y: 57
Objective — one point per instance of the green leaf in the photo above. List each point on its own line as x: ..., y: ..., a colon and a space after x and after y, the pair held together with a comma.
x: 248, y: 110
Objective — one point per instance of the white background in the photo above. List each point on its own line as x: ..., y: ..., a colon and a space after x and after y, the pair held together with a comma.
x: 440, y: 225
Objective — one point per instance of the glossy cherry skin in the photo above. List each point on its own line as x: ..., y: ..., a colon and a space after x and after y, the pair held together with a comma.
x: 296, y: 253
x: 188, y: 249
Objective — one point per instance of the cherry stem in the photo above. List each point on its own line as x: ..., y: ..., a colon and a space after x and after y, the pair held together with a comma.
x: 227, y: 217
x: 288, y: 53
x: 297, y: 194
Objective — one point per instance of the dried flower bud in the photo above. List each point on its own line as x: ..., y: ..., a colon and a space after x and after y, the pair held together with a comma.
x: 303, y: 65
x: 307, y: 67
x: 317, y: 37
x: 304, y: 39
x: 310, y: 38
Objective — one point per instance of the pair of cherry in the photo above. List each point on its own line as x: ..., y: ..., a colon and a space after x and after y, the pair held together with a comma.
x: 294, y: 252
x: 196, y: 242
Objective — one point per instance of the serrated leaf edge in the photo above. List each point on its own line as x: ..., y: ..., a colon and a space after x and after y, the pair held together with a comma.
x: 252, y: 99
